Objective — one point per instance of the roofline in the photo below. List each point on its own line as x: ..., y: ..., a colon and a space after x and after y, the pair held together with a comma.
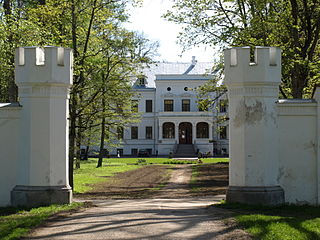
x: 183, y: 76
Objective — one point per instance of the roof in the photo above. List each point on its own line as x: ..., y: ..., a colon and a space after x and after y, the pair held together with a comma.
x: 175, y: 68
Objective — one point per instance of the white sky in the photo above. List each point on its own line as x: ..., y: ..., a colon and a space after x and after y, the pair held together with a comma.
x: 147, y: 20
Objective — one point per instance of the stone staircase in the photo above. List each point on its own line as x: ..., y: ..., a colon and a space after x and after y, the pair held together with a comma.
x: 185, y: 150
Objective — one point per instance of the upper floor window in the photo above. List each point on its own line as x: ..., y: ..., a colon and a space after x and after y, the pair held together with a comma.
x: 134, y: 105
x: 203, y: 105
x: 185, y: 105
x: 223, y: 105
x: 168, y: 105
x: 134, y: 132
x: 148, y: 105
x: 142, y: 81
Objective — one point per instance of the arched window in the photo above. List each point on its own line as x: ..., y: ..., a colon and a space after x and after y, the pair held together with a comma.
x: 202, y: 130
x: 168, y: 130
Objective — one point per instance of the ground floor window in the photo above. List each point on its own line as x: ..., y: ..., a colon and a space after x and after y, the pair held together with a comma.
x: 120, y: 132
x: 134, y: 132
x: 134, y: 151
x: 202, y: 130
x: 223, y: 132
x: 148, y: 132
x: 119, y: 152
x: 168, y: 130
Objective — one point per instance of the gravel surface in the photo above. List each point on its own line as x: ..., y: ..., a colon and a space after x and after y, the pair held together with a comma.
x: 171, y: 213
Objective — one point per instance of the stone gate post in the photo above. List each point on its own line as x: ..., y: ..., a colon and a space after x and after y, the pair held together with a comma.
x: 253, y: 91
x: 44, y: 76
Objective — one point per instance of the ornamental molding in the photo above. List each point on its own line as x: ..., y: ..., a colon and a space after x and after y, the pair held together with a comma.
x: 168, y: 95
x: 43, y: 91
x: 270, y: 91
x: 186, y: 95
x: 296, y: 110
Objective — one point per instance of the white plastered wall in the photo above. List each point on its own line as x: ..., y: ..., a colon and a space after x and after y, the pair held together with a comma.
x: 9, y: 129
x: 297, y: 152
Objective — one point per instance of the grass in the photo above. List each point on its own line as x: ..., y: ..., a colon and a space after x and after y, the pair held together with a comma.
x: 193, y: 181
x: 17, y: 222
x: 88, y: 174
x: 125, y: 161
x: 273, y: 223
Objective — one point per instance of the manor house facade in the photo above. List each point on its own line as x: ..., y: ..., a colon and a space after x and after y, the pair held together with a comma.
x: 171, y: 120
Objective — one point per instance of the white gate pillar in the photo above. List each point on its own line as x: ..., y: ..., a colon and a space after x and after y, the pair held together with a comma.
x: 254, y: 155
x: 44, y: 77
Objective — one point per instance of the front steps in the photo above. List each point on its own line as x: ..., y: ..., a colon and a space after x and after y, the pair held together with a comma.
x: 185, y: 151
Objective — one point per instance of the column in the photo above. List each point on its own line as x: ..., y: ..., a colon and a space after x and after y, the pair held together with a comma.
x: 44, y: 77
x: 254, y: 158
x: 194, y: 132
x: 210, y: 131
x: 160, y: 130
x: 176, y: 132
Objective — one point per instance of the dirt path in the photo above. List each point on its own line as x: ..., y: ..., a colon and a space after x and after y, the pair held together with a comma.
x: 168, y: 215
x: 178, y: 184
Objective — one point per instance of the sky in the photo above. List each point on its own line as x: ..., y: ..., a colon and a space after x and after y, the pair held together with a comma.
x: 147, y: 20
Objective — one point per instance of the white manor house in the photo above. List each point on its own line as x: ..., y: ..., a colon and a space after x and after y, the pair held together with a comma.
x: 171, y: 121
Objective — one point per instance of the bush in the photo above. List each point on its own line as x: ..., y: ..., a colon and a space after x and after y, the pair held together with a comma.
x: 141, y: 162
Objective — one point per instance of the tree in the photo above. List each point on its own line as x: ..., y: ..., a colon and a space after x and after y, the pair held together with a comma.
x: 93, y: 28
x: 293, y: 25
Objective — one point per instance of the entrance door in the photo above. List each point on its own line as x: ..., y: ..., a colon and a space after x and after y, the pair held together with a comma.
x: 185, y: 133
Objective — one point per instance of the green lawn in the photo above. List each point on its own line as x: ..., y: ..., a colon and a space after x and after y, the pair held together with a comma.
x: 15, y: 222
x: 88, y: 174
x: 285, y: 223
x: 124, y: 161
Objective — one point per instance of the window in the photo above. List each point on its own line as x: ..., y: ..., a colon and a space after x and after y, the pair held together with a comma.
x: 203, y: 105
x: 142, y: 81
x: 186, y: 89
x: 168, y: 105
x: 168, y: 130
x: 134, y: 132
x: 202, y: 130
x: 223, y: 132
x: 134, y: 151
x: 148, y: 132
x: 134, y: 105
x: 168, y: 89
x: 119, y: 108
x: 223, y: 105
x: 119, y: 152
x: 185, y: 105
x: 120, y: 132
x: 148, y: 105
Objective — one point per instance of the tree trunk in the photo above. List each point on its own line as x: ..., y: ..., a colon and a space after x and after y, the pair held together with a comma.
x: 72, y: 137
x: 78, y: 142
x: 102, y: 138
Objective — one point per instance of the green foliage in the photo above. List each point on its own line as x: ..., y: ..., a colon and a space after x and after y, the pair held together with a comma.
x: 106, y: 57
x: 292, y: 25
x: 141, y: 162
x: 285, y: 222
x: 180, y: 162
x: 17, y: 222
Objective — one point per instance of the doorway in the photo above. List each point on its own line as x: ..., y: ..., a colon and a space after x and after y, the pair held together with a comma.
x: 185, y: 133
